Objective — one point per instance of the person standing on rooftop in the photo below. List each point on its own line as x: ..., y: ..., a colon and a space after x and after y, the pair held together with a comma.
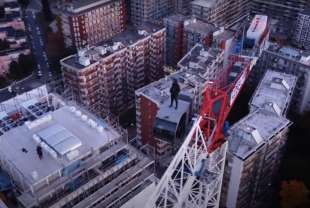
x: 174, y: 93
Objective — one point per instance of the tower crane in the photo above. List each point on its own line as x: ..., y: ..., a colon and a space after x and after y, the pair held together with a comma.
x: 194, y: 176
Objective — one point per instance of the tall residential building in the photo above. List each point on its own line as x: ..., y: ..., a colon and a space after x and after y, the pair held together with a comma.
x: 257, y: 143
x: 220, y: 12
x: 104, y: 78
x: 284, y: 11
x: 162, y: 128
x: 174, y: 38
x: 196, y: 31
x: 301, y: 34
x: 92, y: 21
x: 150, y: 10
x: 291, y: 61
x: 182, y: 6
x: 60, y: 155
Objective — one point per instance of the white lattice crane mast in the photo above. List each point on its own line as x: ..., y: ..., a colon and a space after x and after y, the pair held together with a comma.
x: 194, y: 177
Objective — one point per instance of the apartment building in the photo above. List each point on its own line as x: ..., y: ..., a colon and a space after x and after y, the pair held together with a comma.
x: 222, y: 13
x: 90, y: 22
x: 274, y: 83
x: 104, y: 78
x: 196, y: 31
x: 182, y: 6
x: 161, y: 127
x: 12, y: 34
x: 284, y: 11
x: 60, y: 155
x: 174, y: 38
x: 301, y: 34
x: 150, y: 10
x: 288, y: 60
x: 257, y: 143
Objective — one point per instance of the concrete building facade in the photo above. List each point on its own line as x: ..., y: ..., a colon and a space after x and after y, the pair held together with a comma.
x: 301, y: 34
x: 283, y: 14
x: 222, y: 13
x: 150, y: 10
x: 104, y: 78
x: 257, y: 143
x: 174, y: 38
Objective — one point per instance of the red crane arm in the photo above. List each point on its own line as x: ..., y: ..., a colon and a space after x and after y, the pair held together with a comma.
x: 219, y: 98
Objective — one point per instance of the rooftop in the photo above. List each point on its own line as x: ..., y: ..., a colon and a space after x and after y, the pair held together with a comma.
x: 306, y: 11
x: 176, y: 17
x: 198, y: 26
x: 254, y: 130
x: 274, y: 92
x: 201, y: 59
x: 65, y: 135
x: 204, y: 3
x: 291, y: 53
x: 130, y: 36
x: 198, y: 66
x: 77, y: 6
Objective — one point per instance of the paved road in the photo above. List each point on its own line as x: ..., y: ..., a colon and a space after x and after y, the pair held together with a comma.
x: 20, y: 87
x: 37, y: 39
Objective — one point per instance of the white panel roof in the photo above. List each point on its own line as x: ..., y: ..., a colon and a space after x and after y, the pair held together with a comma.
x: 59, y: 139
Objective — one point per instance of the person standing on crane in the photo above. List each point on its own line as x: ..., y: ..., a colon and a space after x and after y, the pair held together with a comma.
x: 174, y: 93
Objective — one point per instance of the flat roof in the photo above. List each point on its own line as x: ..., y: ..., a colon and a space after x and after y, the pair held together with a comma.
x: 274, y: 92
x: 290, y: 53
x: 203, y: 3
x: 129, y: 37
x: 176, y: 18
x: 247, y: 135
x: 83, y: 5
x: 198, y: 26
x: 200, y: 58
x: 89, y: 137
x: 192, y: 79
x: 171, y: 113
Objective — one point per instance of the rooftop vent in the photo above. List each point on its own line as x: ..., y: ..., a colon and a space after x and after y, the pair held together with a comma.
x: 78, y: 113
x: 143, y: 32
x: 101, y: 50
x: 116, y: 46
x: 34, y: 175
x: 72, y: 109
x: 100, y: 129
x: 84, y: 61
x: 84, y: 117
x: 81, y: 52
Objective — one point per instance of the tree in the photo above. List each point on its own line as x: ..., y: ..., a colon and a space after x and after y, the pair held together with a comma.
x: 4, y: 45
x: 3, y: 82
x: 26, y: 64
x: 294, y: 194
x: 14, y: 70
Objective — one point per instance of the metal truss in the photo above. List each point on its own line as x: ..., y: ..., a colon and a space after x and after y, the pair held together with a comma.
x: 194, y: 177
